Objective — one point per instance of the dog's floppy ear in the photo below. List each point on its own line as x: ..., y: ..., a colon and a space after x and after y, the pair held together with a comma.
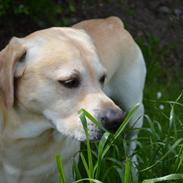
x: 9, y: 56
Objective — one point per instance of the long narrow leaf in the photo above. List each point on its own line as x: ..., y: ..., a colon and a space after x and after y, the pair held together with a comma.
x: 165, y: 178
x: 76, y: 171
x: 101, y: 146
x: 88, y: 179
x: 60, y: 169
x: 90, y: 160
x: 127, y: 171
x: 91, y: 118
x: 85, y: 164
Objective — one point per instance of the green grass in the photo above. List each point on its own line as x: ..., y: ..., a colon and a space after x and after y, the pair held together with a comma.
x: 160, y: 141
x: 94, y: 162
x: 160, y: 152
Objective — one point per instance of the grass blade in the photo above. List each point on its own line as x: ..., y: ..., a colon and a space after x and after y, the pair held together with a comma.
x: 88, y: 179
x: 121, y: 128
x: 179, y: 160
x: 60, y: 169
x: 127, y: 171
x: 89, y: 152
x: 165, y: 178
x: 91, y: 118
x: 76, y: 171
x: 101, y: 146
x: 85, y: 164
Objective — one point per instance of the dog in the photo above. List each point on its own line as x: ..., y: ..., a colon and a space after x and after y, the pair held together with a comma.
x: 47, y: 77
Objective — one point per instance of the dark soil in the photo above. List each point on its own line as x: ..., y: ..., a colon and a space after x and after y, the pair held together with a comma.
x: 162, y: 18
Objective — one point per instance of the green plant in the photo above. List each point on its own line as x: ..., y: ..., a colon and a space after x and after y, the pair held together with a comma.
x: 164, y: 143
x: 94, y: 162
x: 160, y: 151
x: 42, y: 12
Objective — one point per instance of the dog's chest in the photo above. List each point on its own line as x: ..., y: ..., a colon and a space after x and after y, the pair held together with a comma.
x: 34, y: 159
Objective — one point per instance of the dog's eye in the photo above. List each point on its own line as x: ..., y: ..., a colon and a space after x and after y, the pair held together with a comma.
x: 70, y: 83
x: 102, y: 79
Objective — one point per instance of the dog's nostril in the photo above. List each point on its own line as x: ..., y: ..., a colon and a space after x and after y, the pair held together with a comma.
x: 112, y: 119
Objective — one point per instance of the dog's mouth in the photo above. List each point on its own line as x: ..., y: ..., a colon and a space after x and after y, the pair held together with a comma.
x: 95, y: 132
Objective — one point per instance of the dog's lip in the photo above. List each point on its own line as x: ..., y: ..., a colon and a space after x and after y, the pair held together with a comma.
x: 95, y: 138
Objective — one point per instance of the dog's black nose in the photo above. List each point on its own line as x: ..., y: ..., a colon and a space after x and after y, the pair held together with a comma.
x: 111, y: 119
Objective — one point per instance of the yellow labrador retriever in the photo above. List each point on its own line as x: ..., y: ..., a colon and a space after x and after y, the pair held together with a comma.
x: 47, y: 77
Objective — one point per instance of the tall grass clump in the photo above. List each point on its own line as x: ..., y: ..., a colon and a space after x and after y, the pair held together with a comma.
x: 161, y: 144
x: 159, y: 151
x: 100, y: 162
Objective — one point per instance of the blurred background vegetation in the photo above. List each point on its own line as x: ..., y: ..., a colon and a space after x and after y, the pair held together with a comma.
x: 156, y: 25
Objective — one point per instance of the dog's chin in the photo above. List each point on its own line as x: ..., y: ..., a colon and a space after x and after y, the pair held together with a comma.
x: 94, y: 133
x: 94, y: 137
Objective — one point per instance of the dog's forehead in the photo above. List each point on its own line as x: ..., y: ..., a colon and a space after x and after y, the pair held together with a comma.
x: 58, y: 38
x: 60, y: 47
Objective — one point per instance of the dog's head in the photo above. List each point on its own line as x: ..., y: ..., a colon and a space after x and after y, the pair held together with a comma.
x: 55, y: 73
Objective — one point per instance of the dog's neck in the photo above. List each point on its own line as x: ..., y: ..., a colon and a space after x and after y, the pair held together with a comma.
x: 23, y: 124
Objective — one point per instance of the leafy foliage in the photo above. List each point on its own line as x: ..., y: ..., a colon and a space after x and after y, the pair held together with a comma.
x: 43, y: 12
x: 160, y: 153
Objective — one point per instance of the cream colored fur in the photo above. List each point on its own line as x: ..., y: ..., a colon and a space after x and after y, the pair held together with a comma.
x: 39, y: 116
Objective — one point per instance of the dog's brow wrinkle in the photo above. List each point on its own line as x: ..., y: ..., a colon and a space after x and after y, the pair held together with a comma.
x: 74, y: 74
